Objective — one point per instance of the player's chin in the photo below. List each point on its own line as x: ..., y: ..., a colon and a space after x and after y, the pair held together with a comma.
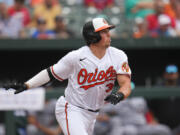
x: 107, y: 45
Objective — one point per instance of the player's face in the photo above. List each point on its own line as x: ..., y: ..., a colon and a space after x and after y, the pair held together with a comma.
x: 105, y: 38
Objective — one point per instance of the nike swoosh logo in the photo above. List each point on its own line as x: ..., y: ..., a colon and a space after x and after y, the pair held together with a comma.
x: 82, y: 59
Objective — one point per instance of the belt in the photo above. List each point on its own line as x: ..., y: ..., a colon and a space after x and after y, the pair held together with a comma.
x: 87, y: 109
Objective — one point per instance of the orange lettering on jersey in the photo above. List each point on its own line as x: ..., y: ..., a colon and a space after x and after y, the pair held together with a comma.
x: 82, y: 75
x: 110, y: 72
x: 90, y: 75
x: 85, y: 87
x: 110, y: 87
x: 95, y: 75
x: 102, y: 77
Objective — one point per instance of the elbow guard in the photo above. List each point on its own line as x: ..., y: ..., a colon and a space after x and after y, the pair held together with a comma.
x: 50, y: 74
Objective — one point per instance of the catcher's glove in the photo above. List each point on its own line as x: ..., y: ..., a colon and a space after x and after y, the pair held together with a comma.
x: 114, y: 98
x: 19, y: 87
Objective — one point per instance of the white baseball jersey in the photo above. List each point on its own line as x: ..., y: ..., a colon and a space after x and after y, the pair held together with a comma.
x: 90, y: 79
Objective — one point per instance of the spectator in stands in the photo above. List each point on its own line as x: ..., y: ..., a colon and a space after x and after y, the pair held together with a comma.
x: 42, y: 32
x: 177, y: 14
x: 8, y: 2
x: 34, y: 3
x: 140, y: 29
x: 61, y: 31
x: 99, y: 4
x: 10, y: 26
x: 20, y: 9
x: 171, y: 76
x: 152, y: 19
x: 170, y: 8
x: 138, y: 8
x: 48, y: 10
x: 167, y: 110
x: 44, y: 122
x: 164, y: 29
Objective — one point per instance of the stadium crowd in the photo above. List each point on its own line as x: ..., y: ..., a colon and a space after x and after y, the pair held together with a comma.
x: 50, y: 19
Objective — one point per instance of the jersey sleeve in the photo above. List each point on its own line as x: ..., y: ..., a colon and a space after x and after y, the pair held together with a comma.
x: 122, y: 64
x: 64, y: 67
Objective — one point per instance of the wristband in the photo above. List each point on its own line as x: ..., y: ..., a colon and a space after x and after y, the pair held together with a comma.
x: 120, y: 96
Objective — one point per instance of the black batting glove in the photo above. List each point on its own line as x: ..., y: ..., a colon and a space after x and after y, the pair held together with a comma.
x: 114, y: 98
x: 19, y: 87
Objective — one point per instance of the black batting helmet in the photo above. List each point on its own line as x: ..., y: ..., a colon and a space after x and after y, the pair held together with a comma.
x: 91, y: 30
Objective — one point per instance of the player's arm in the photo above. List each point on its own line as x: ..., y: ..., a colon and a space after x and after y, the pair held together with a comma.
x: 124, y: 82
x: 59, y: 71
x: 38, y: 80
x: 124, y: 90
x: 124, y: 79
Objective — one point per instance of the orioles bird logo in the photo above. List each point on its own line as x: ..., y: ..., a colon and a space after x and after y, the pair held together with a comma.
x: 125, y: 67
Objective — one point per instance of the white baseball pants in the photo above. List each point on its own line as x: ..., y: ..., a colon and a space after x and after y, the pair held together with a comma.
x: 74, y: 120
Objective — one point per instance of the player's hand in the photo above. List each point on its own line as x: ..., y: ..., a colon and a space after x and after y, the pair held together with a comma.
x: 114, y: 98
x: 19, y: 87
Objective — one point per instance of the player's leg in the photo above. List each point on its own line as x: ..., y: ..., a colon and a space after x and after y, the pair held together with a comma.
x: 70, y: 127
x: 91, y: 123
x: 85, y: 121
x: 74, y: 120
x: 75, y: 123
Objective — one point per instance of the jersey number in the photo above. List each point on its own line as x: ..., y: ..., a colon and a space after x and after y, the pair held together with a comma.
x: 110, y: 87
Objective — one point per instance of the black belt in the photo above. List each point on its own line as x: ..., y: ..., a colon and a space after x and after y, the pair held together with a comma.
x: 87, y: 109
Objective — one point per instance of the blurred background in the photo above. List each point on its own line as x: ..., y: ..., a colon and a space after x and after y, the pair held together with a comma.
x: 35, y: 34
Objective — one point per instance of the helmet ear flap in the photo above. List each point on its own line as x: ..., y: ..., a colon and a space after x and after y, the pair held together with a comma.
x: 95, y: 37
x: 89, y: 35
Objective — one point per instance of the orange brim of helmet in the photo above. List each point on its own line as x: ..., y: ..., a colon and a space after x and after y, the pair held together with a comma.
x: 105, y: 27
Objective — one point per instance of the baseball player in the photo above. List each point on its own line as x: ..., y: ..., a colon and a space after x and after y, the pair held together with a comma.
x: 91, y: 72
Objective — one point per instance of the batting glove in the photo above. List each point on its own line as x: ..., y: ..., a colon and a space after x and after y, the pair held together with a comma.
x: 19, y: 87
x: 115, y: 98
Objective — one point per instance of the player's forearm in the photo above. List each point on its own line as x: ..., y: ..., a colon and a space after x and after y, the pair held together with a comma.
x: 125, y: 85
x: 38, y: 80
x: 125, y: 89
